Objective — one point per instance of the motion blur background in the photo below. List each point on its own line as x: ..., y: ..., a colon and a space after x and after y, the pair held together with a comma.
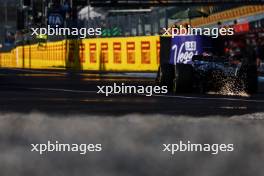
x: 127, y: 18
x: 41, y: 105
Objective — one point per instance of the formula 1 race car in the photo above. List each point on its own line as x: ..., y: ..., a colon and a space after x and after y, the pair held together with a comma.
x: 192, y: 65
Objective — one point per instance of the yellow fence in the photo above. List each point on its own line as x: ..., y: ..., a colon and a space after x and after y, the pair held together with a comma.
x: 102, y: 54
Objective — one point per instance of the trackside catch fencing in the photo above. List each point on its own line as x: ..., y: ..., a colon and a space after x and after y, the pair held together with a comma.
x: 138, y: 54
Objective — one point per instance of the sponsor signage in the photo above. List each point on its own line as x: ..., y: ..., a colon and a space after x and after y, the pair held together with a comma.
x: 158, y: 51
x: 104, y: 52
x: 185, y: 47
x: 239, y: 28
x: 131, y: 52
x: 145, y: 52
x: 55, y: 19
x: 92, y: 47
x: 117, y: 52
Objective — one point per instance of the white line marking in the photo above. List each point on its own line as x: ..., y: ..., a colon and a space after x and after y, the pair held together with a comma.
x: 61, y: 90
x: 204, y: 98
x: 36, y: 71
x: 165, y: 96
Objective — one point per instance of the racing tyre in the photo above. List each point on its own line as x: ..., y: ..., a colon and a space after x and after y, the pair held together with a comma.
x: 183, y: 79
x: 250, y: 79
x: 165, y: 76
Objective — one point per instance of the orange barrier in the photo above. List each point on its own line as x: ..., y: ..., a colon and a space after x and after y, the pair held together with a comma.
x: 231, y: 14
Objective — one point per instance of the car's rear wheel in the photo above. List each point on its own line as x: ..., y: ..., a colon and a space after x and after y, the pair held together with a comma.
x: 249, y: 78
x: 178, y: 79
x: 165, y: 76
x: 183, y: 79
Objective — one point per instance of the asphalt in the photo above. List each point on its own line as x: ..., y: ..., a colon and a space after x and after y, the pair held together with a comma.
x: 61, y: 92
x: 37, y: 107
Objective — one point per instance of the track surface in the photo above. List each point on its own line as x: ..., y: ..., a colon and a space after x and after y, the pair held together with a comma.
x: 59, y: 92
x: 37, y: 107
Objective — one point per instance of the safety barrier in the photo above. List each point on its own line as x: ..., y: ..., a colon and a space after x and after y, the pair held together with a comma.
x: 100, y: 54
x: 231, y: 14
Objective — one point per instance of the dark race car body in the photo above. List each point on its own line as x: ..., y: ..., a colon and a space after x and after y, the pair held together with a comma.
x: 194, y: 63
